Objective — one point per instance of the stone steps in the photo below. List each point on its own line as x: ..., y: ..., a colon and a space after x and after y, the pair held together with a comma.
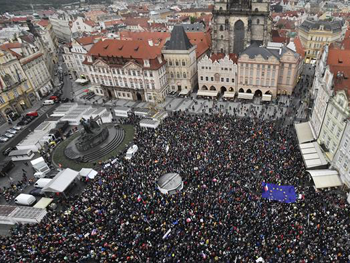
x: 117, y: 140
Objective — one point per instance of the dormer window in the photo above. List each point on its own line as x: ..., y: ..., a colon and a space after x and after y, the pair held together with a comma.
x: 146, y: 63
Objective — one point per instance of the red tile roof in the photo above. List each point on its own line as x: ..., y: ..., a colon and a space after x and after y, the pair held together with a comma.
x: 201, y: 39
x: 90, y: 22
x: 31, y: 58
x: 299, y: 47
x: 125, y: 49
x: 43, y: 22
x: 113, y: 22
x: 9, y: 46
x: 339, y: 62
x: 216, y: 57
x: 137, y: 21
x: 87, y: 40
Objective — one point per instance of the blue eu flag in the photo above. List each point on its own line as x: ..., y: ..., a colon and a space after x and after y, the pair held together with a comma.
x: 281, y: 193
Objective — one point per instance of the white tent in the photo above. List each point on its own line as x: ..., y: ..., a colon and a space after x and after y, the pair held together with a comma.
x: 266, y: 97
x: 325, y: 178
x: 312, y: 155
x: 305, y: 132
x: 245, y: 96
x: 228, y: 94
x: 61, y: 181
x: 148, y: 123
x: 88, y: 172
x: 207, y: 93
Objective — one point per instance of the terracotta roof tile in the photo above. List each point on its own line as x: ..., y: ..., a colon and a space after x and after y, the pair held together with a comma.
x: 87, y: 40
x: 216, y: 57
x: 125, y: 48
x: 43, y: 22
x: 299, y: 47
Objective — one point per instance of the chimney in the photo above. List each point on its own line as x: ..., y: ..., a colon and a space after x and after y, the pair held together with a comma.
x: 150, y: 42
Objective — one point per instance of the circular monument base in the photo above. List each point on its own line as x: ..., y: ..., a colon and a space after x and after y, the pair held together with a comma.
x: 115, y: 138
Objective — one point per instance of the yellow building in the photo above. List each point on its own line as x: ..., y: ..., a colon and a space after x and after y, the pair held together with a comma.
x: 16, y: 93
x: 315, y: 34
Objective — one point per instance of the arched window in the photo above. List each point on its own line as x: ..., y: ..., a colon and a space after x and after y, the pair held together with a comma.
x: 171, y: 75
x: 176, y: 63
x: 258, y: 21
x: 256, y: 10
x: 178, y: 75
x: 222, y: 50
x: 183, y: 63
x: 184, y: 74
x: 222, y: 37
x: 170, y: 63
x: 221, y: 28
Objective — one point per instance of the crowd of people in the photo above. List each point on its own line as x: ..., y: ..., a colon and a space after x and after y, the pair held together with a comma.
x: 219, y: 216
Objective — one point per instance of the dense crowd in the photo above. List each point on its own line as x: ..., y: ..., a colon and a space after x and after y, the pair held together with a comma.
x: 219, y: 216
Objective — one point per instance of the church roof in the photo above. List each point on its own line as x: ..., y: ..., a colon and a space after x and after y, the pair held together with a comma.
x: 178, y: 39
x: 254, y: 50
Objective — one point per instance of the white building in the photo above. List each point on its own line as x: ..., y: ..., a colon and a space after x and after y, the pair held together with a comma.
x: 338, y: 111
x: 218, y: 72
x: 321, y: 91
x: 341, y: 160
x: 182, y: 62
x: 74, y: 54
x: 61, y: 26
x: 82, y: 25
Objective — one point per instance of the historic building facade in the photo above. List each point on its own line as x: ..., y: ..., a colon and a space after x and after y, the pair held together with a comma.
x: 127, y: 69
x: 16, y: 92
x: 218, y: 73
x: 239, y: 23
x: 180, y: 55
x: 272, y: 70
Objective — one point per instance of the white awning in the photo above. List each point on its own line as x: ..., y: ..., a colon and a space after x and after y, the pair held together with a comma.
x: 209, y: 93
x: 88, y: 172
x: 61, y: 181
x: 229, y: 94
x: 312, y: 155
x: 325, y: 178
x: 245, y: 96
x: 266, y: 97
x: 305, y: 132
x: 184, y: 92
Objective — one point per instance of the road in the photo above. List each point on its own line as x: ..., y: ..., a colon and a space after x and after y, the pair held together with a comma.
x: 27, y: 129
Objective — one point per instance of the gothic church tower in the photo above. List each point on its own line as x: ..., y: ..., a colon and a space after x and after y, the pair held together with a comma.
x: 239, y: 23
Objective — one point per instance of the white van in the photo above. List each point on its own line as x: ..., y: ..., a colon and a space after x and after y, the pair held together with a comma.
x: 25, y: 199
x: 48, y: 102
x: 131, y: 151
x: 42, y: 182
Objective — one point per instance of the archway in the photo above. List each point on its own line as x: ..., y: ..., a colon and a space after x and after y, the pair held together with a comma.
x: 109, y: 93
x: 268, y: 92
x: 241, y: 90
x: 231, y: 89
x: 204, y: 88
x: 249, y: 91
x: 212, y: 88
x: 238, y: 37
x: 223, y: 90
x: 138, y: 96
x: 258, y: 93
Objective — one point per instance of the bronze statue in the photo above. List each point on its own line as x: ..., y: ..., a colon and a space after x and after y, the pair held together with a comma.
x: 86, y: 125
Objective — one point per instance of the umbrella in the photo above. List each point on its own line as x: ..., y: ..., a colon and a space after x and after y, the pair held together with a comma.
x: 86, y: 90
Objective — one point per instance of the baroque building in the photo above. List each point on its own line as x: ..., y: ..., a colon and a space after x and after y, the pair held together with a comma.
x: 239, y: 23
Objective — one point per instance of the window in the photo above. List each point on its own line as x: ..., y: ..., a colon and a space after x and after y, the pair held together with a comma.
x: 258, y: 21
x: 201, y: 77
x: 212, y: 78
x: 233, y: 80
x: 177, y: 63
x: 2, y: 99
x: 184, y: 74
x: 183, y: 63
x: 221, y: 28
x: 222, y: 79
x: 227, y: 80
x: 170, y: 63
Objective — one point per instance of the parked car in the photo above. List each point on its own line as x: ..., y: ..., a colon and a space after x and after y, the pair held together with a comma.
x: 3, y: 139
x: 8, y: 150
x: 37, y: 192
x: 32, y: 114
x: 65, y: 100
x: 17, y: 128
x: 13, y: 131
x: 9, y: 135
